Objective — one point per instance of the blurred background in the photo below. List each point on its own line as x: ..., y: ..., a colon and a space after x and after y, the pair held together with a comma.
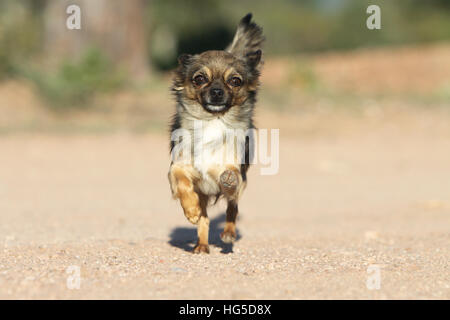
x: 114, y: 73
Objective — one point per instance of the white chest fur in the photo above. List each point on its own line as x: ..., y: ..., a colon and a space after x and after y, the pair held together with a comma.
x: 209, y: 151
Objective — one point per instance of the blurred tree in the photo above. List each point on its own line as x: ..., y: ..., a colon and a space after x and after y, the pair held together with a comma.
x: 188, y: 26
x: 20, y: 36
x: 115, y: 27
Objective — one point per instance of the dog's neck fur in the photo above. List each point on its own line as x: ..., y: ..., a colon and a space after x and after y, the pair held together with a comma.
x: 238, y: 117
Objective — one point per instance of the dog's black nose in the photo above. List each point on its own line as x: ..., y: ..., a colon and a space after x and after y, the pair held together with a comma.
x: 216, y: 93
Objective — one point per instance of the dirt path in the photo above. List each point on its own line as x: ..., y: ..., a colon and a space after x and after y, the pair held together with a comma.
x: 338, y: 205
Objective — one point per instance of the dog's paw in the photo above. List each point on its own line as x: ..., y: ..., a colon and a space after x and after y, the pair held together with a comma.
x: 228, y: 236
x: 193, y: 214
x: 229, y: 181
x: 201, y: 248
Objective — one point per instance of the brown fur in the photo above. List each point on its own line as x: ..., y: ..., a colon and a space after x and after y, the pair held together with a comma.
x: 219, y: 88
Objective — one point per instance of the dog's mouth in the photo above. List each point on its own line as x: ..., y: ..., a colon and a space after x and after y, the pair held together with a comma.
x: 215, y: 107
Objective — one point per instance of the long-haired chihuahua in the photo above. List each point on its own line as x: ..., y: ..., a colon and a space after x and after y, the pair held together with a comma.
x: 211, y: 131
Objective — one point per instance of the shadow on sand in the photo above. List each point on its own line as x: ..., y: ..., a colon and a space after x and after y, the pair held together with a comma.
x: 185, y: 238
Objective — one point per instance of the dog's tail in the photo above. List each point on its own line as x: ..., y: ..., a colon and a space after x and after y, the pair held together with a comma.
x: 248, y: 38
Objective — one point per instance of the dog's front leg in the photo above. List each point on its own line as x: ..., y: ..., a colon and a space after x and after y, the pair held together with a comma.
x: 181, y: 178
x: 231, y: 182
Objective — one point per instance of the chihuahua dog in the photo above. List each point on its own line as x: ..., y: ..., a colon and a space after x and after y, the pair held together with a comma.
x: 215, y: 93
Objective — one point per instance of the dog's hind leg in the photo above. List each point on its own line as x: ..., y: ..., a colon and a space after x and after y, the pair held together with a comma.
x: 202, y: 227
x: 229, y: 233
x: 232, y: 185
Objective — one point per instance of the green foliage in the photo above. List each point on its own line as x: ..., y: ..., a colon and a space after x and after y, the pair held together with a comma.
x: 299, y: 26
x: 75, y: 83
x: 301, y: 74
x: 20, y: 35
x: 293, y: 27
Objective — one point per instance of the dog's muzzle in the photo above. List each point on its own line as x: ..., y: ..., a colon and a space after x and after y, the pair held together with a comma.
x: 215, y: 108
x: 216, y: 100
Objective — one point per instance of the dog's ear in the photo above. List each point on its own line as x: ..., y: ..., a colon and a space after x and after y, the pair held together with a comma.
x: 184, y: 59
x: 247, y: 42
x: 180, y: 73
x: 253, y: 58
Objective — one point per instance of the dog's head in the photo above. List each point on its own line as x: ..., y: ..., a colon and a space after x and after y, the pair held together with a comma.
x: 220, y: 80
x: 217, y: 80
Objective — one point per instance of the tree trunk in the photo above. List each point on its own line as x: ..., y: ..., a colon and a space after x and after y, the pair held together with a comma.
x: 116, y: 27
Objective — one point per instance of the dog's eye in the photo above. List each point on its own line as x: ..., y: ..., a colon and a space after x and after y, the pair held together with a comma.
x: 235, y: 81
x: 200, y: 79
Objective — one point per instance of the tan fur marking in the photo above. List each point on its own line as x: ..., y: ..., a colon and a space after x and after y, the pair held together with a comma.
x: 204, y: 70
x: 181, y: 179
x: 228, y: 72
x: 203, y: 228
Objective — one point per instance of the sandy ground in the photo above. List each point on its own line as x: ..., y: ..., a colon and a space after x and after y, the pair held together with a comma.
x: 341, y: 202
